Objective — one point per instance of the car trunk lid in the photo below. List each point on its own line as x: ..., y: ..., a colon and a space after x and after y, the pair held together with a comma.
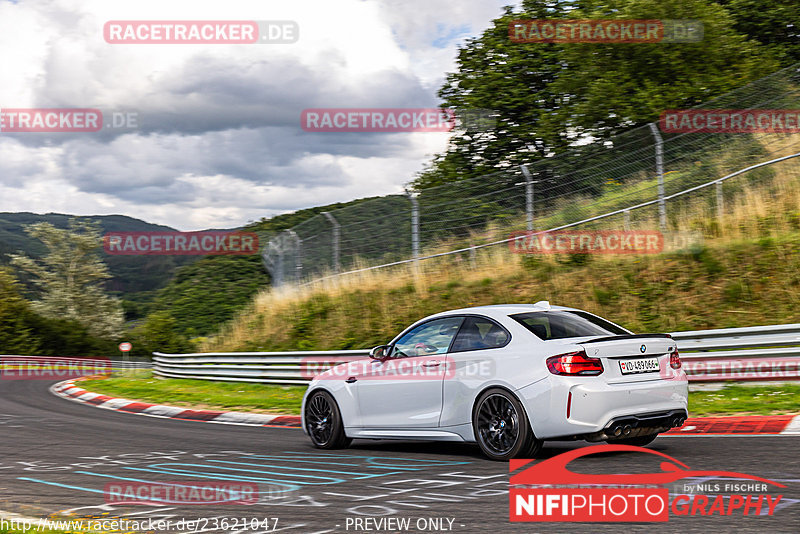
x: 630, y: 358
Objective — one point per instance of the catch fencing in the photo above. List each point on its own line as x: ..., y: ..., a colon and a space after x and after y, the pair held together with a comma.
x: 735, y: 354
x: 623, y: 181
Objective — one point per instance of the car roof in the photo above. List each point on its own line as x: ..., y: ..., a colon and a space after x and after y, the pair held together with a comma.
x: 501, y: 310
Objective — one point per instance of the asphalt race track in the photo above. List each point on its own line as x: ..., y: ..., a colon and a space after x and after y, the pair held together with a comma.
x: 57, y: 457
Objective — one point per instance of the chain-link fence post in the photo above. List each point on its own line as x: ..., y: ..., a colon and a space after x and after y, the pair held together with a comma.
x: 528, y: 196
x: 335, y: 241
x: 298, y: 255
x: 720, y: 202
x: 412, y: 196
x: 662, y: 205
x: 274, y: 267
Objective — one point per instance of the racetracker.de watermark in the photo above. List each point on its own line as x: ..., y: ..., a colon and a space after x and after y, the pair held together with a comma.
x: 587, y: 242
x: 64, y: 120
x: 181, y: 493
x: 787, y: 368
x: 730, y: 121
x: 605, y: 31
x: 432, y: 367
x: 214, y: 243
x: 52, y: 367
x: 201, y: 32
x: 390, y: 120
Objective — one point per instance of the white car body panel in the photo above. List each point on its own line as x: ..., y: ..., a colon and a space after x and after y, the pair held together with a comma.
x: 441, y: 409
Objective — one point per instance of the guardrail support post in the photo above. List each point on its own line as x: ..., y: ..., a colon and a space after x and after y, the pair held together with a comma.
x: 335, y: 242
x: 662, y: 206
x: 529, y: 181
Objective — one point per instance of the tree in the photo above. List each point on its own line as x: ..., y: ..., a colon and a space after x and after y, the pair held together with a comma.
x: 773, y: 23
x: 70, y: 276
x: 548, y: 95
x: 608, y: 88
x: 160, y: 333
x: 15, y: 334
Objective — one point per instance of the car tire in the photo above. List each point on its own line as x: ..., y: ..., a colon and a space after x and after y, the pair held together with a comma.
x: 501, y: 427
x: 323, y: 422
x: 638, y: 441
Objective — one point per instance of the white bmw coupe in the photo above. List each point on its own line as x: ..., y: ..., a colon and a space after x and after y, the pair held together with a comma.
x: 507, y: 377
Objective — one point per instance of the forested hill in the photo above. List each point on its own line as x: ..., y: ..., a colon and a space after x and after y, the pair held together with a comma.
x: 131, y: 274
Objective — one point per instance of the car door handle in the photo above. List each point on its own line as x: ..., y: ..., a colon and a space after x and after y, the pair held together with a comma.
x: 433, y: 363
x: 351, y: 380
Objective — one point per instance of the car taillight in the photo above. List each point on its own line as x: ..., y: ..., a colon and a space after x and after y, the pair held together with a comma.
x: 574, y: 363
x: 675, y: 359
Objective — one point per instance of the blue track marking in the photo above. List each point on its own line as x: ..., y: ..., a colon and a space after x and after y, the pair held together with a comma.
x: 352, y: 473
x: 286, y: 476
x: 68, y: 486
x: 157, y: 468
x: 420, y: 464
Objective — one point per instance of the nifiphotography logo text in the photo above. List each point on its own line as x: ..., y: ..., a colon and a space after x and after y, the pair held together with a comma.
x: 548, y: 491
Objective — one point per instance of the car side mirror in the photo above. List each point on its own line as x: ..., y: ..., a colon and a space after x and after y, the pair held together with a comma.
x: 381, y: 352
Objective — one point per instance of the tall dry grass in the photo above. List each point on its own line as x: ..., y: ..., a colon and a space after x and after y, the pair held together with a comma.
x: 752, y: 210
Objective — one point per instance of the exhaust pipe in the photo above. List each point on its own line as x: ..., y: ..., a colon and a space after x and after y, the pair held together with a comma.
x: 627, y: 429
x: 617, y: 430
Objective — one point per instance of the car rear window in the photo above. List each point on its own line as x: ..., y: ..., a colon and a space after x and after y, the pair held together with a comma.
x: 559, y: 324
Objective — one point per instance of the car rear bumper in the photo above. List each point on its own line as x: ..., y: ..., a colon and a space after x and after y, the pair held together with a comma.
x: 589, y: 408
x: 632, y: 426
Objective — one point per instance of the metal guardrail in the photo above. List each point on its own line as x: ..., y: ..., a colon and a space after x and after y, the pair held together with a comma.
x: 738, y: 354
x: 263, y: 367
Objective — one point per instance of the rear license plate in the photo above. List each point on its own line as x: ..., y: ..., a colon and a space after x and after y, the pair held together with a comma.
x: 640, y: 365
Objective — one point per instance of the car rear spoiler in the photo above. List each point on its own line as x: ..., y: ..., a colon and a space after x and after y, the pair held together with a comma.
x: 625, y: 336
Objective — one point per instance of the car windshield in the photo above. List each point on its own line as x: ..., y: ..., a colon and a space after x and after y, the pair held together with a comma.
x: 559, y: 324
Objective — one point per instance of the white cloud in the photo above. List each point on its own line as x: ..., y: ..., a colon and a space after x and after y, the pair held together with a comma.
x: 219, y: 141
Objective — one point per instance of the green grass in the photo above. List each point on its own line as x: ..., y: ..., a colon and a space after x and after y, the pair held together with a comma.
x: 746, y: 400
x: 189, y: 393
x: 731, y: 399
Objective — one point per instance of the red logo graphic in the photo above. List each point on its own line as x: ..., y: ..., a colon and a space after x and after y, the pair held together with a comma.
x: 180, y: 243
x: 537, y: 492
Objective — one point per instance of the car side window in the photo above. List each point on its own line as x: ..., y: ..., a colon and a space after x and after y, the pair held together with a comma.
x: 480, y: 333
x: 432, y: 337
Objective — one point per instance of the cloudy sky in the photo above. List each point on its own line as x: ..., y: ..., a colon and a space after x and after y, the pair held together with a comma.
x: 218, y: 140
